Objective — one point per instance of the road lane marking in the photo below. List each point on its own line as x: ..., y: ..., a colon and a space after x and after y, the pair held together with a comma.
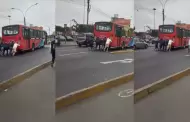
x: 126, y: 93
x: 73, y: 54
x: 187, y: 55
x: 66, y: 50
x: 118, y: 61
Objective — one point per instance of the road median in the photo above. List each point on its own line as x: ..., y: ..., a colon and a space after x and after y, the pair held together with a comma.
x: 22, y: 76
x: 156, y: 86
x: 85, y: 93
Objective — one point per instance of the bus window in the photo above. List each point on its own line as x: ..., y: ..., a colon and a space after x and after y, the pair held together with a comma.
x: 179, y: 32
x: 166, y: 29
x: 31, y: 33
x: 10, y: 30
x: 25, y: 33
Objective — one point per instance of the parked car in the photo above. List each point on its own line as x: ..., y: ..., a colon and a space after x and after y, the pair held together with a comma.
x: 69, y: 38
x: 140, y: 44
x: 84, y: 39
x: 60, y: 39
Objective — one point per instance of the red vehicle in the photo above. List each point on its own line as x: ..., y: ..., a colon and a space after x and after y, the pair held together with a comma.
x: 28, y: 38
x: 107, y: 29
x: 179, y: 33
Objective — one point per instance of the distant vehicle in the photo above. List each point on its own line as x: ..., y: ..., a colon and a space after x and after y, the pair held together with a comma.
x: 107, y: 29
x: 60, y: 39
x: 29, y: 38
x: 140, y: 44
x: 84, y: 39
x: 179, y: 33
x: 69, y: 38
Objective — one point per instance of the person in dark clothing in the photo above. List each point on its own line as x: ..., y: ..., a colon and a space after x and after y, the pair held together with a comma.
x: 5, y: 49
x: 53, y: 46
x: 98, y: 43
x: 156, y: 45
x: 161, y: 44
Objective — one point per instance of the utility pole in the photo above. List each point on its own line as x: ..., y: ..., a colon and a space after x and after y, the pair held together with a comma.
x: 163, y: 15
x: 154, y: 18
x: 88, y: 10
x: 84, y: 13
x: 9, y: 19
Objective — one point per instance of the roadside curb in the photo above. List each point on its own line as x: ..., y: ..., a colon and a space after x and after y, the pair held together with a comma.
x: 85, y: 93
x: 122, y: 51
x: 158, y: 85
x: 22, y: 76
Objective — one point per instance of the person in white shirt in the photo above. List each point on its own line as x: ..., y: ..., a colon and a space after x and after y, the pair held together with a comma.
x: 108, y: 42
x: 15, y: 46
x: 188, y: 45
x: 169, y: 44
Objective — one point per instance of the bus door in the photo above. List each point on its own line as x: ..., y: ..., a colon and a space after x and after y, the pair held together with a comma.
x: 180, y: 37
x: 26, y: 35
x: 118, y: 35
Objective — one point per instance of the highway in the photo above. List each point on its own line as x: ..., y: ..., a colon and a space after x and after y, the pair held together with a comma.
x: 151, y: 65
x: 32, y: 100
x: 78, y: 68
x: 11, y: 66
x: 106, y: 107
x: 170, y: 104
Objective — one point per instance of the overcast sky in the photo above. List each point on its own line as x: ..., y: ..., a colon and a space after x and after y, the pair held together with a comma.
x: 100, y: 10
x: 41, y: 15
x: 174, y: 10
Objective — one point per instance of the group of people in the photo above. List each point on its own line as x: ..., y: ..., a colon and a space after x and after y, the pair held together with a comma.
x: 97, y: 43
x: 164, y: 44
x: 8, y: 48
x: 106, y: 43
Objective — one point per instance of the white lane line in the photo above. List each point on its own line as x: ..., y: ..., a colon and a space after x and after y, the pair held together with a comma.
x: 126, y: 93
x: 66, y: 50
x: 73, y: 54
x: 187, y: 55
x: 118, y: 61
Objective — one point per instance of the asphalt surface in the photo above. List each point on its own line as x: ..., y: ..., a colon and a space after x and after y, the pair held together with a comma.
x: 106, y: 107
x: 11, y: 66
x: 151, y: 66
x: 78, y: 68
x: 170, y: 104
x: 33, y: 100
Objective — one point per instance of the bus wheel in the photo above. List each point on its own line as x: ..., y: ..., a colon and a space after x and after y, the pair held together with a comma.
x: 33, y: 47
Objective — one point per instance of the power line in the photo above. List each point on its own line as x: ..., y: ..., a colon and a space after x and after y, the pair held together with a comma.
x: 93, y: 7
x: 151, y: 12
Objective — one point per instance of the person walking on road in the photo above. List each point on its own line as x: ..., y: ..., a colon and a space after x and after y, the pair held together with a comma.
x: 169, y: 45
x: 108, y: 42
x: 53, y: 46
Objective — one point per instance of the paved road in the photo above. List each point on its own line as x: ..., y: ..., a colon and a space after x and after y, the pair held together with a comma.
x: 11, y: 66
x: 107, y: 107
x: 78, y: 68
x: 168, y: 105
x: 33, y: 100
x: 151, y: 66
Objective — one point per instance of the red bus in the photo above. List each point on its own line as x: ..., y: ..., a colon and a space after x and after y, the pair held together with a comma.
x: 28, y: 38
x: 107, y: 29
x: 179, y: 33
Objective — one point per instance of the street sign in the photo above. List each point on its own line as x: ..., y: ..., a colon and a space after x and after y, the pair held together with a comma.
x: 118, y: 61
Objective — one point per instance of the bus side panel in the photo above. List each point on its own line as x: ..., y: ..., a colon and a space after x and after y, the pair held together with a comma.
x: 114, y: 42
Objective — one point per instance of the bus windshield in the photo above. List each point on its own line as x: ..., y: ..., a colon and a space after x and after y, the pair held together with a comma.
x: 103, y: 26
x: 10, y: 30
x: 166, y: 29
